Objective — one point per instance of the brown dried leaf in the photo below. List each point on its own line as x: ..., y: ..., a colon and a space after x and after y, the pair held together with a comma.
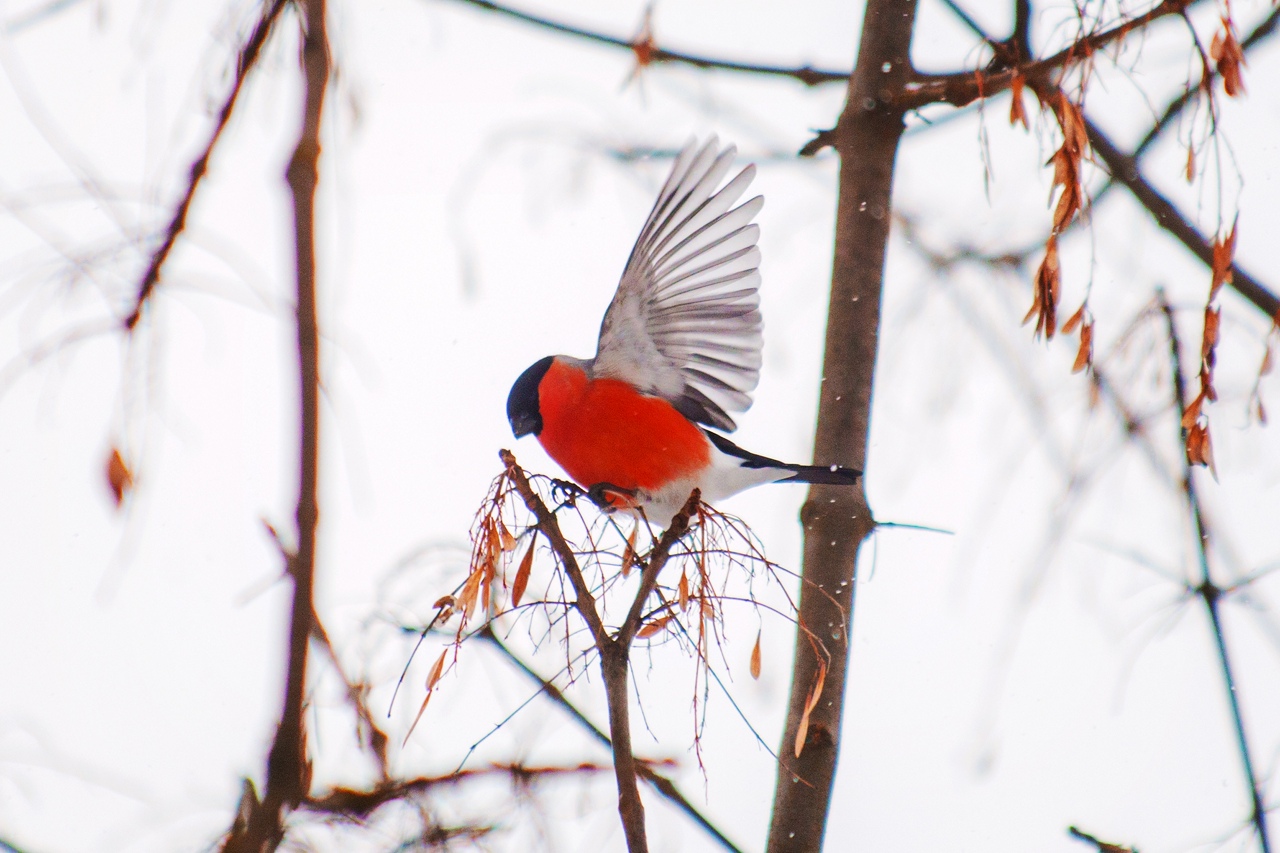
x: 1191, y: 164
x: 1071, y: 119
x: 432, y: 678
x: 1084, y: 355
x: 1267, y: 363
x: 1225, y: 50
x: 522, y: 574
x: 643, y: 45
x: 653, y: 627
x: 1212, y: 323
x: 1073, y: 321
x: 815, y: 692
x: 629, y: 556
x: 470, y: 592
x: 683, y: 591
x: 505, y: 538
x: 119, y: 478
x: 1192, y: 412
x: 1017, y: 114
x: 1200, y: 447
x: 1260, y: 411
x: 1224, y: 253
x: 755, y: 658
x: 1048, y: 281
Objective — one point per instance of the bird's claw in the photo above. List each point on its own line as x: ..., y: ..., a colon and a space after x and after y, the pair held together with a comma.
x: 565, y: 492
x: 600, y: 493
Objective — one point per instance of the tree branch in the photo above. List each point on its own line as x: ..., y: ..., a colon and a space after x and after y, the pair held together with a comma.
x: 961, y: 88
x: 661, y: 783
x: 248, y: 57
x: 1207, y: 591
x: 1124, y: 169
x: 805, y: 74
x: 1178, y: 104
x: 288, y: 770
x: 549, y: 527
x: 359, y: 804
x: 837, y: 519
x: 678, y: 527
x: 614, y: 650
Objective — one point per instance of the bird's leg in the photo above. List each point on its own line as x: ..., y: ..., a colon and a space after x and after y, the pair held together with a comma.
x: 600, y: 495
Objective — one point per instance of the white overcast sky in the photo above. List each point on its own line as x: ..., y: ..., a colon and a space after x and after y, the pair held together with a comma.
x: 1039, y: 668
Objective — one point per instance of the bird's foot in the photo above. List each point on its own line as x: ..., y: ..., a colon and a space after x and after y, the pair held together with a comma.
x: 609, y: 497
x: 565, y: 492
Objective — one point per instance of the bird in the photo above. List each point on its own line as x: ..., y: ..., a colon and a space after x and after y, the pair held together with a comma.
x: 642, y: 423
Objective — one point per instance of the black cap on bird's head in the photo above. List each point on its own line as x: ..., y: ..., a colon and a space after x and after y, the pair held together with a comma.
x: 522, y: 403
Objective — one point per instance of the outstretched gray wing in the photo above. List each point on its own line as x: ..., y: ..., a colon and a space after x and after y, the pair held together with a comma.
x: 685, y: 323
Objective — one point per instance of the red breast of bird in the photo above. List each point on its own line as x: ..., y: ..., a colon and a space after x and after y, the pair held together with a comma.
x: 679, y: 349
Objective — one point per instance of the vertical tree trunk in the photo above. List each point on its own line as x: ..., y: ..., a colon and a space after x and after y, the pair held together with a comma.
x: 837, y: 519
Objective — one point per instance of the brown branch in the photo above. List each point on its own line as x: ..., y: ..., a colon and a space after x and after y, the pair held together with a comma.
x: 1125, y: 170
x: 373, y: 736
x: 1103, y: 847
x: 613, y: 663
x: 548, y: 526
x: 657, y: 559
x: 1178, y: 104
x: 1207, y: 591
x: 248, y: 57
x: 837, y: 519
x: 288, y: 770
x: 663, y: 785
x: 359, y: 804
x: 961, y: 88
x: 805, y: 74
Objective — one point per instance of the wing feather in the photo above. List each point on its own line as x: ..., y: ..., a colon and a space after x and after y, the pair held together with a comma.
x: 685, y: 322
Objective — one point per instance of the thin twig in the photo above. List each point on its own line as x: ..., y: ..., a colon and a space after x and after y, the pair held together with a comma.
x: 549, y: 527
x: 1178, y: 104
x: 805, y: 74
x: 657, y: 559
x: 1207, y: 590
x: 1103, y: 846
x: 245, y: 62
x: 373, y: 736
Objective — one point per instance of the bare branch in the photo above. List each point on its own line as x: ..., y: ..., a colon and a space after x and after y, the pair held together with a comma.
x: 837, y: 519
x: 1103, y: 847
x: 661, y: 783
x: 373, y: 736
x: 248, y: 57
x: 1124, y: 169
x: 550, y: 527
x: 657, y: 559
x: 288, y: 769
x: 1208, y: 592
x: 961, y: 88
x: 805, y: 74
x: 356, y: 803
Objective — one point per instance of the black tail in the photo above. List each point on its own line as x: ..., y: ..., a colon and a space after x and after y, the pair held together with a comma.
x: 829, y: 475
